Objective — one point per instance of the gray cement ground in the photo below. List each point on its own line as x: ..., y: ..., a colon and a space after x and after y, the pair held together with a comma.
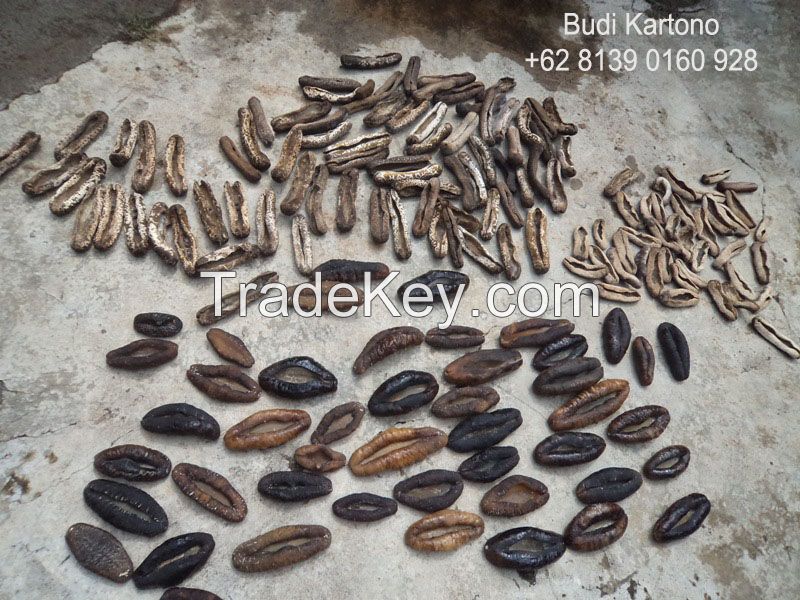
x: 63, y: 312
x: 40, y: 40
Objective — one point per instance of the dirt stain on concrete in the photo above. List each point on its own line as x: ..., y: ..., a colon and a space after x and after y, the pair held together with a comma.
x: 765, y: 533
x: 765, y: 437
x: 614, y: 585
x: 16, y: 482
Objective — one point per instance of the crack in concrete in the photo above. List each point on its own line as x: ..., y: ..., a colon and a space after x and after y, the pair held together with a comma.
x: 27, y: 498
x: 58, y: 482
x: 118, y: 438
x: 35, y: 436
x: 4, y: 388
x: 788, y: 323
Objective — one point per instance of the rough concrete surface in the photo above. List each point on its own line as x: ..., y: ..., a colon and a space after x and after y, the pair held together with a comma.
x: 59, y: 404
x: 39, y: 40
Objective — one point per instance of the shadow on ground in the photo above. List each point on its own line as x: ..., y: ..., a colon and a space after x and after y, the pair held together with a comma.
x: 41, y: 40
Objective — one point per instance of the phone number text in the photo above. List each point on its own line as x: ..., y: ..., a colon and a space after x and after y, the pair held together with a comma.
x: 627, y: 60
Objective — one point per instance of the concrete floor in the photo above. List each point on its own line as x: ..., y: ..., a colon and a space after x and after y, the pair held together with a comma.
x: 59, y: 404
x: 40, y: 40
